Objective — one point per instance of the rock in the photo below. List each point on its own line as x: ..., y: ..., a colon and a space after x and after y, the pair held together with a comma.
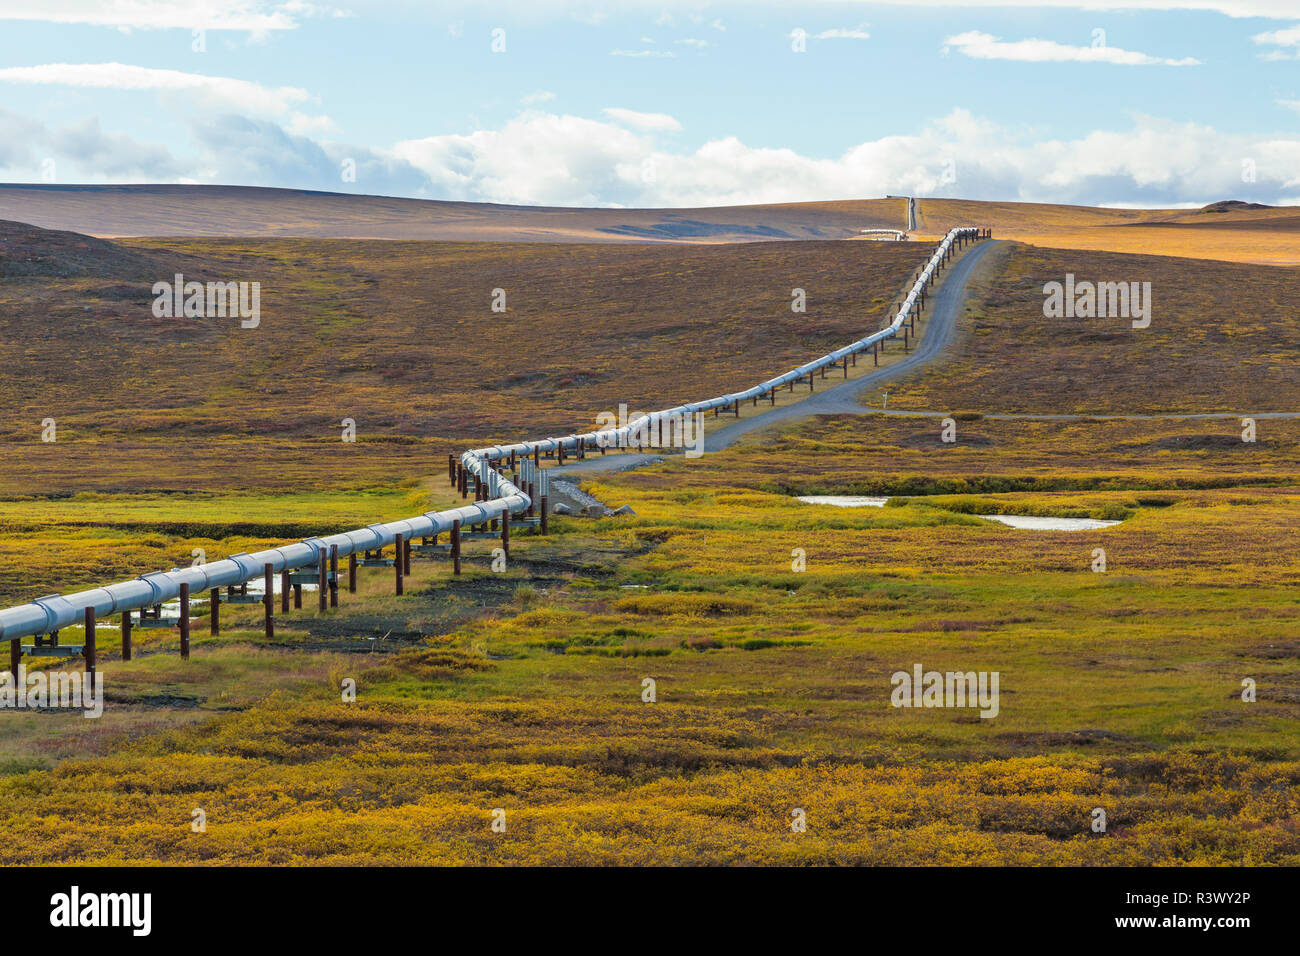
x: 594, y: 511
x: 625, y: 510
x: 561, y: 509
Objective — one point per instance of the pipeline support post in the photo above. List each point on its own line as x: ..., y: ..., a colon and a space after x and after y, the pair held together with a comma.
x: 322, y: 580
x: 15, y: 656
x: 268, y: 598
x: 505, y: 532
x: 334, y: 575
x: 88, y: 650
x: 284, y: 591
x: 399, y: 565
x: 546, y: 510
x: 214, y: 612
x: 352, y: 573
x: 455, y: 547
x: 126, y: 635
x: 185, y: 622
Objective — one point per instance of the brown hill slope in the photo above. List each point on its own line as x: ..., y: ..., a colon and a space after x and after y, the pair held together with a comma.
x: 401, y: 336
x: 164, y: 210
x: 1231, y: 232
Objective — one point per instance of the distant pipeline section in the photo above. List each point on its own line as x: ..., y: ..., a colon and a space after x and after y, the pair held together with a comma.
x: 49, y: 614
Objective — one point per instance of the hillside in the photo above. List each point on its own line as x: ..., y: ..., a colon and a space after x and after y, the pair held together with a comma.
x: 1229, y: 231
x: 401, y: 338
x: 165, y: 210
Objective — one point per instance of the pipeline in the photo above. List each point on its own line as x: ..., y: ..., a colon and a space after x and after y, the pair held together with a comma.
x: 51, y: 613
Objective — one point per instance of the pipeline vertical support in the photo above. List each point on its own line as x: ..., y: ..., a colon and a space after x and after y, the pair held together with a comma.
x: 214, y: 612
x: 297, y: 595
x: 185, y: 622
x: 88, y: 650
x: 334, y: 575
x: 406, y: 557
x: 284, y: 591
x: 16, y: 656
x: 455, y: 547
x: 398, y: 564
x: 268, y: 599
x: 545, y: 513
x: 505, y: 532
x: 126, y: 635
x: 322, y: 581
x: 352, y: 573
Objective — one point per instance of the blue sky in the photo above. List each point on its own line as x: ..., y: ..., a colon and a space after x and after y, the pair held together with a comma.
x: 1154, y: 102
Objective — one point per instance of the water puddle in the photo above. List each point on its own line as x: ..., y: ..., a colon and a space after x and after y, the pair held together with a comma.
x: 845, y: 501
x: 1035, y: 523
x: 1027, y: 522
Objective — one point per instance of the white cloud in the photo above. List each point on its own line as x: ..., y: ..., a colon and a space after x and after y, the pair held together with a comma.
x: 1280, y: 38
x: 663, y: 53
x: 219, y: 90
x: 664, y: 9
x: 79, y: 152
x: 984, y: 46
x: 549, y: 159
x: 303, y: 125
x: 541, y: 96
x: 646, y: 121
x: 566, y: 160
x: 843, y: 33
x: 691, y: 41
x: 1287, y: 37
x: 247, y: 15
x: 536, y: 158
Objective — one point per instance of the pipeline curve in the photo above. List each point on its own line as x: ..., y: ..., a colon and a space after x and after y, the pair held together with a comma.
x: 48, y: 614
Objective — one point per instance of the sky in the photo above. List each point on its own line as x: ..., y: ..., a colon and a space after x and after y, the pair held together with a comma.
x: 658, y: 104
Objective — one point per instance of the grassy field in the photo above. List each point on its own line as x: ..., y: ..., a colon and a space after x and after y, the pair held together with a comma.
x: 1222, y: 338
x: 522, y: 692
x: 1267, y: 236
x: 1119, y: 690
